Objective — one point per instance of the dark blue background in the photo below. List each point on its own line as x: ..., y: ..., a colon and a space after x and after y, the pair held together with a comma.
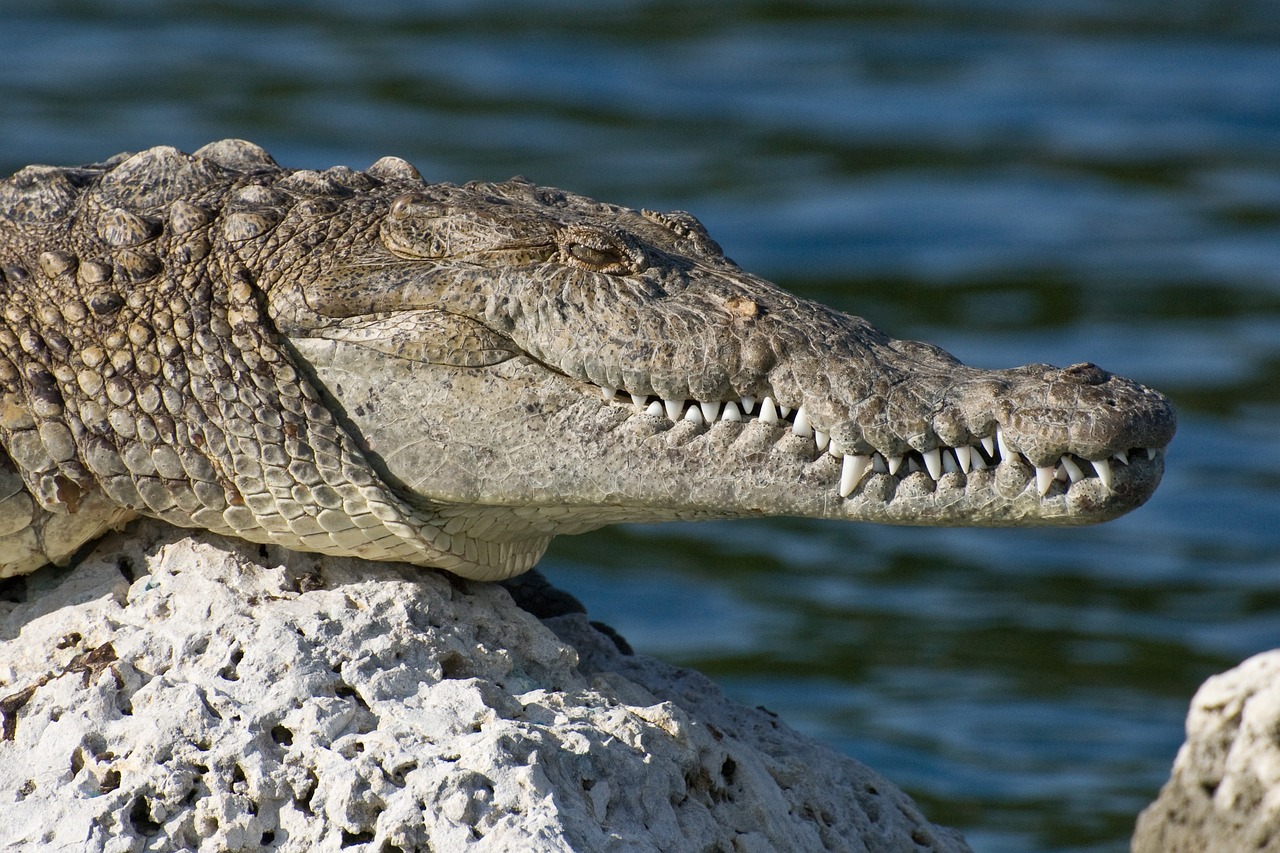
x: 1017, y: 181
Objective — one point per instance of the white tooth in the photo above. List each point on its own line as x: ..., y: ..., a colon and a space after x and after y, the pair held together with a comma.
x: 895, y: 462
x: 964, y: 457
x: 608, y: 393
x: 1004, y: 448
x: 1122, y: 456
x: 638, y: 402
x: 933, y: 461
x: 989, y: 445
x: 852, y: 470
x: 694, y: 414
x: 835, y: 449
x: 748, y: 404
x: 710, y: 412
x: 1151, y: 452
x: 1103, y: 467
x: 979, y: 464
x: 821, y: 439
x: 949, y: 464
x: 783, y: 411
x: 1060, y: 474
x: 802, y: 427
x: 731, y: 412
x: 1073, y: 470
x: 673, y: 407
x: 878, y: 464
x: 655, y: 409
x: 768, y: 411
x: 1044, y: 479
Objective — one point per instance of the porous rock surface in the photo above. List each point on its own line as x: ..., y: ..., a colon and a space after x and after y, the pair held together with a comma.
x: 179, y: 691
x: 1224, y: 792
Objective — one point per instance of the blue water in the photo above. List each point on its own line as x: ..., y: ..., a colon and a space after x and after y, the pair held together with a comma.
x: 1015, y: 181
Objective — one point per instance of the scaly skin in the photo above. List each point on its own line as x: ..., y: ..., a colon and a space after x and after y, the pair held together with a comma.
x: 366, y: 364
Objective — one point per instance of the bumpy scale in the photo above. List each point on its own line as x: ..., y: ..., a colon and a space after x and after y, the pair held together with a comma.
x: 366, y: 364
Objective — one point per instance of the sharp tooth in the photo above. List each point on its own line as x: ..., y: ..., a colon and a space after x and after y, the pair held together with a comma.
x: 964, y: 457
x: 949, y: 464
x: 878, y: 464
x: 989, y: 445
x: 768, y: 411
x: 1005, y: 455
x: 802, y: 427
x: 1122, y: 456
x: 731, y: 412
x: 1060, y: 474
x: 1152, y: 452
x: 638, y: 402
x: 783, y: 411
x: 674, y: 408
x: 694, y: 414
x: 608, y: 393
x: 748, y: 404
x: 1044, y: 479
x: 821, y: 439
x: 895, y: 462
x: 835, y: 449
x: 710, y: 412
x: 655, y: 409
x: 933, y: 461
x: 979, y: 464
x: 852, y: 470
x: 1103, y: 467
x: 1074, y: 472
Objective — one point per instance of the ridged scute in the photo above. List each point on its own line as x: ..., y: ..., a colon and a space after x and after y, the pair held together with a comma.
x: 154, y: 178
x: 120, y: 228
x: 41, y: 194
x: 394, y: 169
x: 237, y: 155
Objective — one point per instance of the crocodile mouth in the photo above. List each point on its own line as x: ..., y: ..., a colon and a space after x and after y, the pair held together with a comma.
x: 988, y: 452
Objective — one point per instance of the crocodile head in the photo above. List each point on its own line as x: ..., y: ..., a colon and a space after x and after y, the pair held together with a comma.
x: 519, y: 362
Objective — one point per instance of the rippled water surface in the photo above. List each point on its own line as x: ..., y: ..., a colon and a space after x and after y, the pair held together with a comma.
x: 1015, y: 181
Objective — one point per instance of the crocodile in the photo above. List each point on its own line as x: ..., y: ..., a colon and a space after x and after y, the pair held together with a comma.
x: 367, y: 364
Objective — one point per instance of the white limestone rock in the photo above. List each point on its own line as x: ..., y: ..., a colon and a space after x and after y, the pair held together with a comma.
x: 1224, y: 792
x: 178, y: 691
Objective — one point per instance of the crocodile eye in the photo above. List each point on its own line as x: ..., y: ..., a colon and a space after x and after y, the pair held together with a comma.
x: 596, y: 257
x: 599, y: 250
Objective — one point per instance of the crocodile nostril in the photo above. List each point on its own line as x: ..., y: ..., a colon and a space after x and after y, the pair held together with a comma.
x: 1085, y: 373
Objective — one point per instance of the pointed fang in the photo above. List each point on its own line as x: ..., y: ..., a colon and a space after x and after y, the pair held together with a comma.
x: 655, y: 409
x: 989, y: 445
x: 1074, y: 471
x: 852, y: 470
x: 731, y: 412
x: 637, y: 400
x: 710, y: 412
x: 802, y: 427
x: 608, y: 393
x: 894, y: 463
x: 1044, y: 479
x: 673, y: 407
x: 964, y: 457
x: 1103, y: 467
x: 1005, y: 455
x: 933, y: 462
x: 821, y: 439
x: 768, y: 411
